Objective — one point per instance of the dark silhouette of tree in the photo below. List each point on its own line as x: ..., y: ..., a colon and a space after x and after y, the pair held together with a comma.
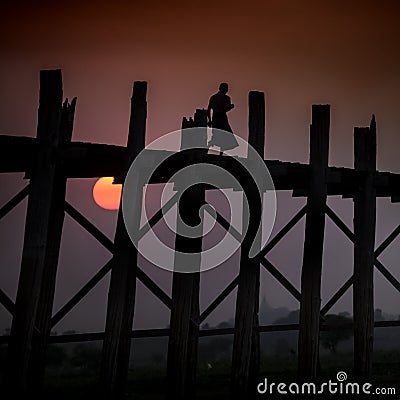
x: 224, y: 325
x: 331, y: 338
x: 86, y: 356
x: 291, y: 318
x: 205, y: 326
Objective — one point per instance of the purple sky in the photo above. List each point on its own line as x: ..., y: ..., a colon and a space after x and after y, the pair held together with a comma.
x: 298, y: 53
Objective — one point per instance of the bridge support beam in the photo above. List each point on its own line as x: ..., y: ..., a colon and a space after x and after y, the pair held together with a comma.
x: 46, y: 299
x: 313, y: 245
x: 364, y: 245
x: 246, y: 344
x: 39, y: 256
x: 121, y: 295
x: 185, y: 311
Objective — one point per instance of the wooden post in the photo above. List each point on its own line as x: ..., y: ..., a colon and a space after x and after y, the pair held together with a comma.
x: 364, y: 244
x: 185, y: 310
x: 121, y: 295
x: 246, y: 345
x: 37, y: 230
x: 313, y: 245
x: 45, y: 306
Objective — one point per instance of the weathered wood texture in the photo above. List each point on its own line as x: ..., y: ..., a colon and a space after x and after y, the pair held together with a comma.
x: 91, y: 160
x: 364, y: 245
x: 121, y: 295
x: 246, y: 345
x: 38, y: 228
x: 46, y: 299
x: 308, y: 351
x: 51, y: 158
x: 185, y: 311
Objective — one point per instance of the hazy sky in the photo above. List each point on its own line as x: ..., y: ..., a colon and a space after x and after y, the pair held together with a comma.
x: 341, y: 52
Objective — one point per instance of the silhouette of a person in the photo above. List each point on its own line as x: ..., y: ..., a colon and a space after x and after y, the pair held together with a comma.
x: 222, y: 135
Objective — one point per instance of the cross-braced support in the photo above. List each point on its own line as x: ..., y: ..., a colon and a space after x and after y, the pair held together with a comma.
x: 51, y: 158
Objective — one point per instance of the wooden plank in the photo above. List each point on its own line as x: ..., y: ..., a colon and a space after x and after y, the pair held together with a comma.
x: 46, y: 299
x: 89, y: 227
x: 153, y: 287
x: 386, y: 324
x: 246, y: 343
x: 121, y: 295
x: 37, y: 230
x: 182, y: 357
x: 282, y: 233
x: 224, y: 223
x: 158, y: 216
x: 337, y: 296
x: 387, y: 242
x: 280, y: 278
x: 98, y: 336
x: 93, y: 160
x: 380, y: 267
x: 163, y: 332
x: 89, y: 160
x: 6, y: 302
x: 313, y: 246
x: 85, y: 160
x: 11, y: 204
x: 384, y: 271
x: 64, y: 310
x: 364, y: 245
x: 227, y: 226
x: 339, y: 223
x: 219, y: 299
x: 109, y: 245
x: 185, y: 310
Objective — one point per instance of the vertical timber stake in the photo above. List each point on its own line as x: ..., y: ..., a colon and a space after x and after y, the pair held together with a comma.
x: 35, y: 255
x: 121, y: 295
x: 185, y: 311
x: 364, y: 245
x: 246, y: 345
x: 313, y: 245
x: 45, y: 306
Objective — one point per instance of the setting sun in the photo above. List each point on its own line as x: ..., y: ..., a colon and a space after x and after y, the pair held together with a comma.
x: 106, y: 194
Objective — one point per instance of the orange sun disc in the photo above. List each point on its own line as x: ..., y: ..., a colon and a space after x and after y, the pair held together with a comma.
x: 106, y: 195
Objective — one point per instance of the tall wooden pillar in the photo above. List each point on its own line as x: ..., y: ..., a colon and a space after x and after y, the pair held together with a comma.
x: 38, y: 227
x: 121, y: 295
x: 313, y: 245
x: 364, y: 245
x: 46, y: 299
x: 246, y: 344
x: 185, y: 311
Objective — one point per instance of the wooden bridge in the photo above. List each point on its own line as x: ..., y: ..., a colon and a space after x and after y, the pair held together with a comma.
x: 52, y: 157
